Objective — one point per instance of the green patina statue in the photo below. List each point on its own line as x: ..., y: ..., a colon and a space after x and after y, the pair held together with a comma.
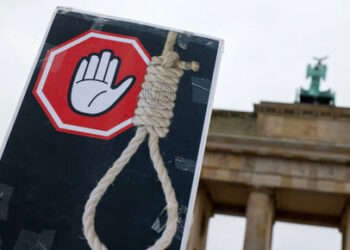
x: 313, y: 94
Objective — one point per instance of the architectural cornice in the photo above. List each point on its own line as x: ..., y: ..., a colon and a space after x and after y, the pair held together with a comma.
x: 229, y: 114
x: 275, y: 147
x: 304, y: 110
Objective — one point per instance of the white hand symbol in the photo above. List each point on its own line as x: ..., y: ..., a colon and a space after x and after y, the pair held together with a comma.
x: 92, y: 91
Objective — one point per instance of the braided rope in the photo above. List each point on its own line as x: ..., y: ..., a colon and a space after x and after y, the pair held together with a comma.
x: 152, y: 116
x: 103, y: 184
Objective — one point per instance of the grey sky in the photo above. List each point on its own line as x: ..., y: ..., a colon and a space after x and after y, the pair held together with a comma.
x: 229, y: 235
x: 267, y: 46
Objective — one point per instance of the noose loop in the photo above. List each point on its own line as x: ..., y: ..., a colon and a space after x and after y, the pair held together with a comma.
x: 152, y: 116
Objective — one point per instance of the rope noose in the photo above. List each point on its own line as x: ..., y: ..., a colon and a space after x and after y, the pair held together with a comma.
x: 152, y: 116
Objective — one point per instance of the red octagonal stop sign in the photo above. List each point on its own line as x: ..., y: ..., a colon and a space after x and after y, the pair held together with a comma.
x: 90, y: 84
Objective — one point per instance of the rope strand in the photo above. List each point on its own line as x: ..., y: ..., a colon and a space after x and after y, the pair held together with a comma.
x: 103, y: 184
x: 172, y: 205
x: 152, y: 116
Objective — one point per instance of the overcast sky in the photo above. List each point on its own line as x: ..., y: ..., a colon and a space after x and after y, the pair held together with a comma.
x: 267, y: 47
x: 227, y: 233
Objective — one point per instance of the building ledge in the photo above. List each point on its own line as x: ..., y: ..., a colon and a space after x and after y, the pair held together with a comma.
x: 279, y: 147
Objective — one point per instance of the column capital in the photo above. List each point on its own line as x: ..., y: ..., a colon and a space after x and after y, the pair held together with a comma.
x: 260, y: 189
x: 344, y: 226
x: 344, y: 216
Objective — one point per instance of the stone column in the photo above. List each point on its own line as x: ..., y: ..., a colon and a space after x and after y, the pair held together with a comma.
x: 260, y: 217
x: 345, y: 228
x: 202, y: 212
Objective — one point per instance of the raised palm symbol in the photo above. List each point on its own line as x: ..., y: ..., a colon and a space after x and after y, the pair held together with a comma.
x: 92, y: 91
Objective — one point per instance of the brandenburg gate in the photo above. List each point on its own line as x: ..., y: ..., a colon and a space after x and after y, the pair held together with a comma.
x: 281, y: 162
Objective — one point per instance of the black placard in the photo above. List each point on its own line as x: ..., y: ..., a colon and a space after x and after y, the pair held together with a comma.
x: 51, y: 173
